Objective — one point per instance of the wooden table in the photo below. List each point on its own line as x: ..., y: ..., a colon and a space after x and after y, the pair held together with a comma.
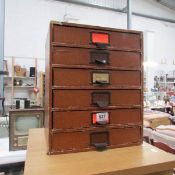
x: 135, y: 160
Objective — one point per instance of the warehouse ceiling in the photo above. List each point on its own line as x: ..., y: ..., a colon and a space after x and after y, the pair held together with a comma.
x: 117, y: 4
x: 121, y: 6
x: 168, y: 3
x: 110, y: 4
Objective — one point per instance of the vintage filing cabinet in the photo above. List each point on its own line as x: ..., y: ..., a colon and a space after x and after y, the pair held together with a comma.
x: 93, y: 88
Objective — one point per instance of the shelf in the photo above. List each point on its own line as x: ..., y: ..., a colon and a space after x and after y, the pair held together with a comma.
x: 19, y: 86
x: 170, y: 82
x: 8, y: 104
x: 167, y: 83
x: 4, y: 72
x: 10, y: 157
x: 21, y: 77
x: 27, y: 83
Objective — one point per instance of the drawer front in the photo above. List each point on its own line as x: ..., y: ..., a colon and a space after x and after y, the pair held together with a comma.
x: 85, y: 140
x: 80, y: 56
x: 84, y: 37
x: 85, y: 77
x: 94, y: 98
x: 86, y: 119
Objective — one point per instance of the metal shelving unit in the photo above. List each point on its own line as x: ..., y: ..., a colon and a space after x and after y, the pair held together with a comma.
x: 28, y: 83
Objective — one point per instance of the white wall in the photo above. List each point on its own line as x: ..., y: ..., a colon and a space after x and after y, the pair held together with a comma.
x: 27, y: 24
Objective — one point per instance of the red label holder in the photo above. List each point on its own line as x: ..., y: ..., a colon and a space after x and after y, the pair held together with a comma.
x: 101, y: 40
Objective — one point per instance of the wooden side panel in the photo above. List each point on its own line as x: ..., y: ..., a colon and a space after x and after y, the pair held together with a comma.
x: 47, y: 100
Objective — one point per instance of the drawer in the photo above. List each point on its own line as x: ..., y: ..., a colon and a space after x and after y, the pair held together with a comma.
x: 81, y: 56
x: 88, y: 77
x: 92, y: 37
x: 85, y: 119
x: 101, y: 138
x: 95, y: 98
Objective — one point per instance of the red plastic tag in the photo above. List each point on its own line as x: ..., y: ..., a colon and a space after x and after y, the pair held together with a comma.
x: 100, y: 38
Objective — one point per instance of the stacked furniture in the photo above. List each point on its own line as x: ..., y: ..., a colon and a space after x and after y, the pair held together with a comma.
x: 159, y: 131
x: 152, y: 118
x: 163, y: 137
x: 94, y: 96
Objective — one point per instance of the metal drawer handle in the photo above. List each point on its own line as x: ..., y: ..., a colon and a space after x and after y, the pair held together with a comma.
x: 98, y: 61
x: 100, y: 146
x: 101, y: 82
x: 102, y: 104
x: 102, y: 122
x: 101, y: 45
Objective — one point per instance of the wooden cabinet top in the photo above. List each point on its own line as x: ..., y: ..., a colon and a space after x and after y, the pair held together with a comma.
x: 86, y: 36
x: 95, y: 27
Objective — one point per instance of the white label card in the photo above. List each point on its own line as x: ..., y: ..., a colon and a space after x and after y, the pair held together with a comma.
x: 101, y: 118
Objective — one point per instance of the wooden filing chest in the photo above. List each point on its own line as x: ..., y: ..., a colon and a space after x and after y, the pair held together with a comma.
x: 94, y: 89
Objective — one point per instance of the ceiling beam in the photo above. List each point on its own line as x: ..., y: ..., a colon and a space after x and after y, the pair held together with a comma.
x: 120, y: 11
x: 168, y: 3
